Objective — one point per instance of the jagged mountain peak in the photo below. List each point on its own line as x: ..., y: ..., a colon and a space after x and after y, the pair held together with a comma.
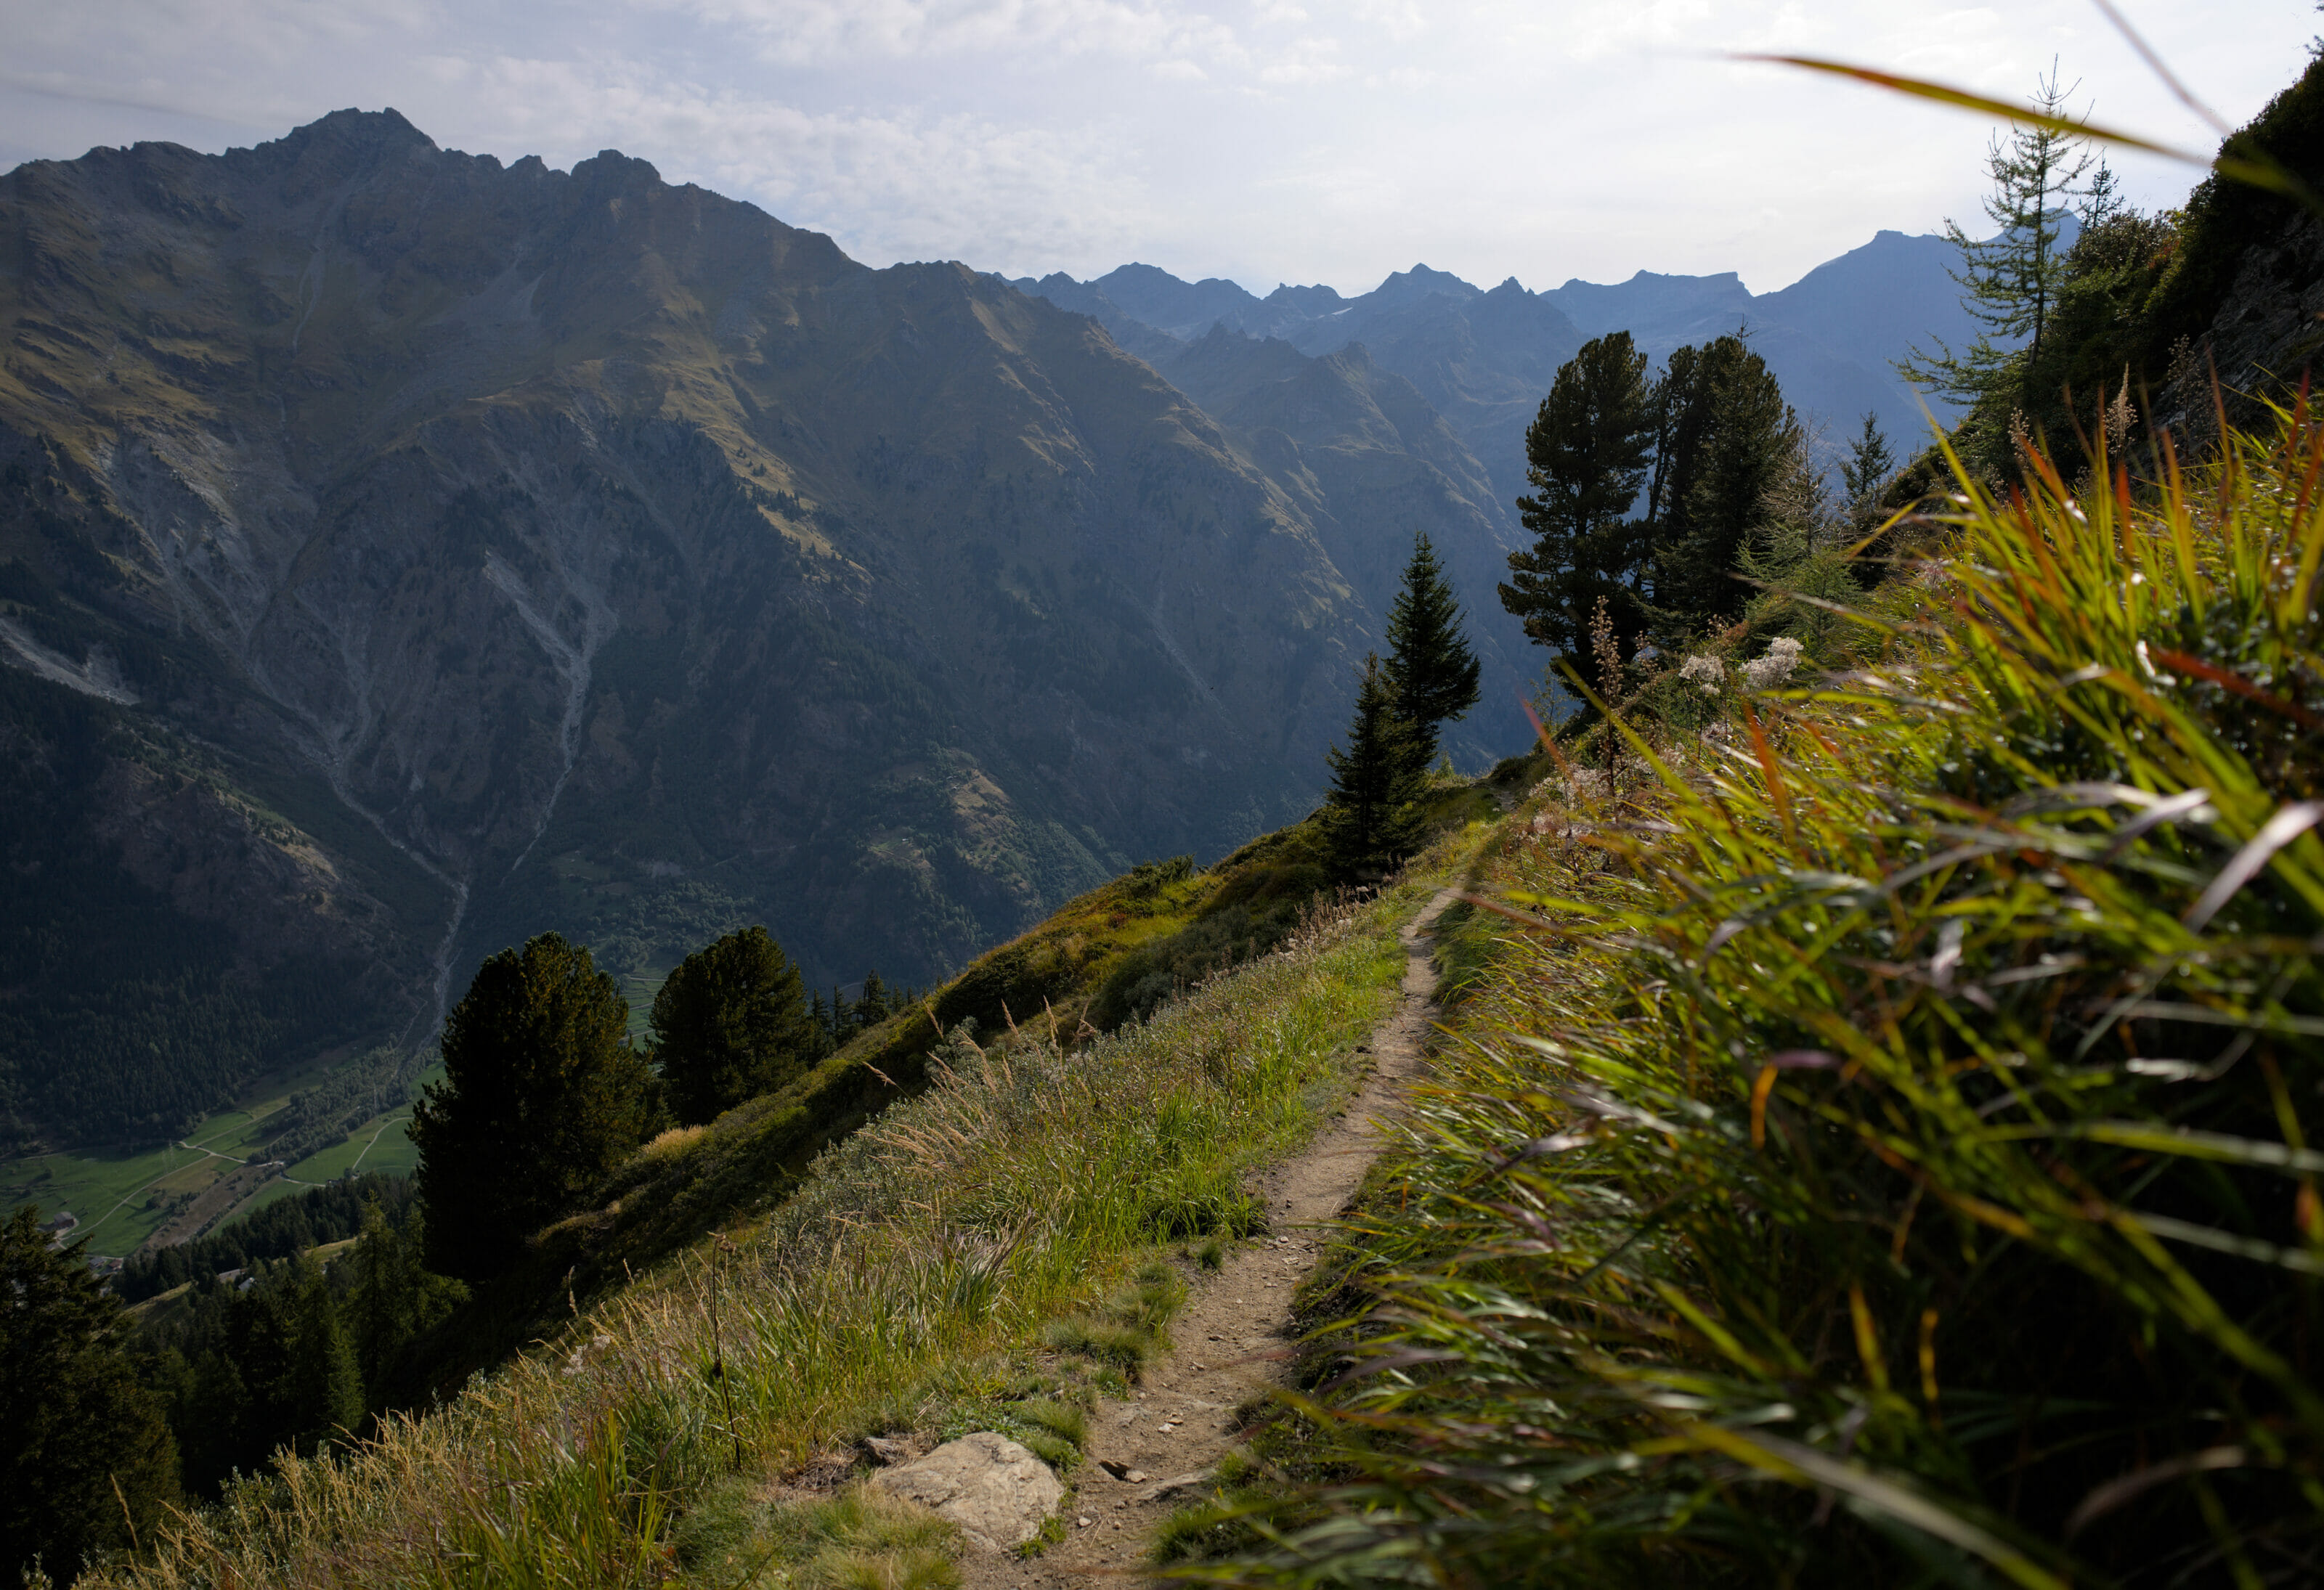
x: 1420, y: 281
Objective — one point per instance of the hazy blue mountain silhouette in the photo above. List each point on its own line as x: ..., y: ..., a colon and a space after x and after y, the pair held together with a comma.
x: 1484, y: 358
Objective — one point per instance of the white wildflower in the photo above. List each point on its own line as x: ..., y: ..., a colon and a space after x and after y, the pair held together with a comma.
x: 1766, y: 673
x: 1706, y: 673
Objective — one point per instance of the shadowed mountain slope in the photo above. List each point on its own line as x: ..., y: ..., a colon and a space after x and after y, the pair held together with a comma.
x: 1369, y: 460
x: 453, y: 551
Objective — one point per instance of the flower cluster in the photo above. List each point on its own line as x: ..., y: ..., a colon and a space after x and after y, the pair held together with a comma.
x: 1766, y: 673
x: 1706, y: 673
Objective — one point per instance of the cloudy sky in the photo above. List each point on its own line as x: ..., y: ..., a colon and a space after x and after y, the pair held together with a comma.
x: 1263, y: 140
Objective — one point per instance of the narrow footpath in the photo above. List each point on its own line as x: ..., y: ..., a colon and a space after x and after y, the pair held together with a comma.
x: 1179, y: 1424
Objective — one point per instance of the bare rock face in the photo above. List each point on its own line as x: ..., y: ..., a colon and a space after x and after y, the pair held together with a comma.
x: 2267, y: 331
x: 996, y: 1490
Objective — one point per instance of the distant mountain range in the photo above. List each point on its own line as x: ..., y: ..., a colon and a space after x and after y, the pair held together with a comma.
x: 1419, y: 392
x: 1483, y: 357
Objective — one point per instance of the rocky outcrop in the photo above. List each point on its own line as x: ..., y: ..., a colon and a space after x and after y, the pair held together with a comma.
x: 2263, y: 340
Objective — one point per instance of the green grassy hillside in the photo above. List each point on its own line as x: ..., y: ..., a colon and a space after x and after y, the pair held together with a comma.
x: 1014, y: 1191
x: 1110, y: 956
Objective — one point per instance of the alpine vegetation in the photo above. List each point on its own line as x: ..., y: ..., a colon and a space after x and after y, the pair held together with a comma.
x: 1876, y: 1148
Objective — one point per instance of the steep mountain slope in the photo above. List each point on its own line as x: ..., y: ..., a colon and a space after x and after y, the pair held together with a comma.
x: 510, y: 549
x: 1369, y: 460
x: 1484, y: 359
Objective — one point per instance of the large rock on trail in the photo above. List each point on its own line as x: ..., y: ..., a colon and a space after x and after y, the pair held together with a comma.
x: 998, y: 1493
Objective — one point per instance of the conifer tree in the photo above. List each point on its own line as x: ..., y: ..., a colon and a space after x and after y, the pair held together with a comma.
x: 85, y: 1454
x: 1868, y: 467
x: 1586, y: 455
x: 2010, y: 282
x: 729, y: 1024
x: 1429, y: 666
x: 1723, y: 432
x: 394, y: 1297
x: 871, y: 1005
x: 325, y: 1394
x: 541, y: 1098
x: 1369, y: 822
x: 214, y: 1422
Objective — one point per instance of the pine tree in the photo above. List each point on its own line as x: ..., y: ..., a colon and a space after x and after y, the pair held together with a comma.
x: 2010, y: 282
x: 394, y: 1297
x: 1586, y: 454
x: 1429, y: 666
x: 1369, y: 822
x: 541, y: 1098
x: 214, y: 1422
x: 871, y: 1005
x: 325, y: 1396
x: 84, y: 1448
x: 1867, y: 468
x: 729, y: 1024
x: 1724, y: 432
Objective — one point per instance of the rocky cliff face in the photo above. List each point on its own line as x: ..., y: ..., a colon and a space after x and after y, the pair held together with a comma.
x: 506, y: 548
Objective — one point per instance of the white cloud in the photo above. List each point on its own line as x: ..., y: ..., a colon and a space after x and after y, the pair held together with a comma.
x: 1262, y: 139
x: 829, y: 31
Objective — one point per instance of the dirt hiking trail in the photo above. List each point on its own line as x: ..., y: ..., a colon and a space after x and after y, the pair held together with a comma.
x: 1179, y: 1423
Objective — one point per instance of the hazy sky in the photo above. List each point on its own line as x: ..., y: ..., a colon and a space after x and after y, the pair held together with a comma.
x: 1265, y: 140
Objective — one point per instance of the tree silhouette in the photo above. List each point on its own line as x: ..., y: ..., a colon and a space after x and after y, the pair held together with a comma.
x: 85, y: 1459
x: 541, y: 1098
x: 729, y: 1024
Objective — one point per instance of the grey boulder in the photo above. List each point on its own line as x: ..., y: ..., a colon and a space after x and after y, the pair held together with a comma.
x: 996, y: 1490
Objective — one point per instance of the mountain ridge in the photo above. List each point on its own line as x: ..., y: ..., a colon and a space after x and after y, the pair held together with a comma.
x: 1485, y: 357
x: 571, y: 550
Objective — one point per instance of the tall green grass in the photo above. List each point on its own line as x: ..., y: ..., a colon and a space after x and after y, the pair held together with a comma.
x: 1026, y: 1183
x: 1878, y: 1155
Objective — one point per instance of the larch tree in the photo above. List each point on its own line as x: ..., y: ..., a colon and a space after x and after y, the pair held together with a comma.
x: 541, y: 1098
x: 325, y: 1391
x: 2010, y: 282
x: 1430, y: 664
x: 730, y: 1024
